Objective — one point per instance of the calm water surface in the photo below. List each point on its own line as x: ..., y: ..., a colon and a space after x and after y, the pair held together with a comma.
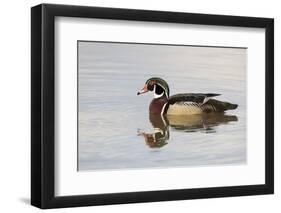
x: 115, y: 128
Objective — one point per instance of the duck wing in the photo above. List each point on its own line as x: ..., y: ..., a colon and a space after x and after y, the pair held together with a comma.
x: 198, y: 98
x: 188, y: 103
x: 195, y: 103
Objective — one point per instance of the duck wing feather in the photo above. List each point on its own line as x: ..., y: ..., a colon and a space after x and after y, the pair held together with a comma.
x: 199, y: 98
x: 189, y: 103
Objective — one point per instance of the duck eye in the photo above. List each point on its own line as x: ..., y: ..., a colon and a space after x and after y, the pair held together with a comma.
x: 150, y: 86
x: 152, y: 83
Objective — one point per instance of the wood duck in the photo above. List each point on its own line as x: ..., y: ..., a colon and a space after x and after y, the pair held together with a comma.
x: 181, y: 104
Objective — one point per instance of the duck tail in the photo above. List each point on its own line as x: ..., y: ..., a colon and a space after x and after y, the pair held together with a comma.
x: 231, y: 106
x: 221, y: 106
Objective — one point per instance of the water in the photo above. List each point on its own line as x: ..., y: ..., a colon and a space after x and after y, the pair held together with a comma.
x: 115, y: 129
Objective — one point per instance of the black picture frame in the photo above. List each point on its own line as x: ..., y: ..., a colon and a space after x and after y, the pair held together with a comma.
x: 43, y: 102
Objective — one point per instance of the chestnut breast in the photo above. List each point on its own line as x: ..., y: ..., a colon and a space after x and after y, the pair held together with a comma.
x: 156, y: 105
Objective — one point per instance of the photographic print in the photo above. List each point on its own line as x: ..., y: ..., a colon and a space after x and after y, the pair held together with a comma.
x: 143, y: 106
x: 169, y: 105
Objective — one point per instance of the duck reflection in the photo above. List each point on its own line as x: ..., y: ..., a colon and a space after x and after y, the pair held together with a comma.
x: 204, y: 123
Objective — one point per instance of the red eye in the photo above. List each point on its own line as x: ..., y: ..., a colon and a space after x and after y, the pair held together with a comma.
x: 152, y: 82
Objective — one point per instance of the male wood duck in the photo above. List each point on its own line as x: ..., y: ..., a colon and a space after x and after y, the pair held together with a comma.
x: 181, y: 104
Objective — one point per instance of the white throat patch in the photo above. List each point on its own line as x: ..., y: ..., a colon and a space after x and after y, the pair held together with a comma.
x: 156, y: 95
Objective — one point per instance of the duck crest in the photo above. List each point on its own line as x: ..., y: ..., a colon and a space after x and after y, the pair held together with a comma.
x: 157, y: 105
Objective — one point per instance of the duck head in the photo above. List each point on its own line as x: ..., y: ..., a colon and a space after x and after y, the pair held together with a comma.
x: 156, y: 85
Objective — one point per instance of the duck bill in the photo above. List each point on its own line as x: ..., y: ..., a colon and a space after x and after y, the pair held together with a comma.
x: 144, y: 90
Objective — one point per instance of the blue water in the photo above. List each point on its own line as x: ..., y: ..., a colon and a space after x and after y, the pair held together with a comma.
x: 115, y: 130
